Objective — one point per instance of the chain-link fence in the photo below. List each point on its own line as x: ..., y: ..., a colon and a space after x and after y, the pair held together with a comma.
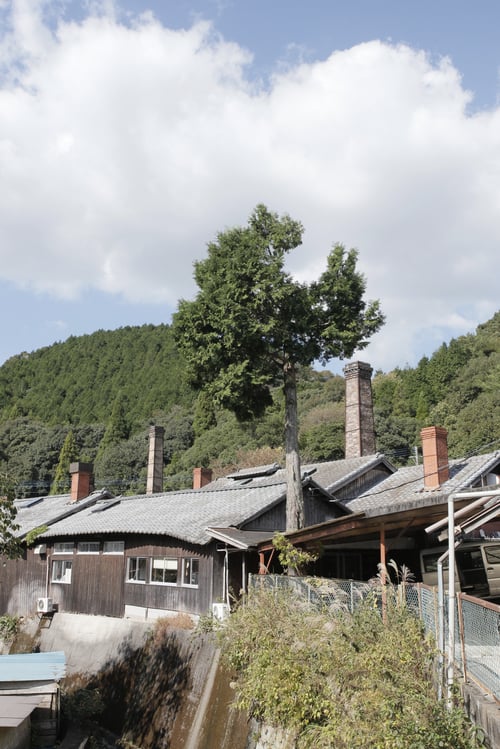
x: 479, y: 627
x: 477, y: 622
x: 325, y: 593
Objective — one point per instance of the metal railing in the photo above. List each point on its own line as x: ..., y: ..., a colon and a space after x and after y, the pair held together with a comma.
x: 477, y: 622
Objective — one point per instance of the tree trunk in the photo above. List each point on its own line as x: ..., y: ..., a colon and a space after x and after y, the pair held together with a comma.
x: 294, y: 493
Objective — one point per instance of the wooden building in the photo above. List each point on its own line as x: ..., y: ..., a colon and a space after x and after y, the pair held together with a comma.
x: 149, y: 554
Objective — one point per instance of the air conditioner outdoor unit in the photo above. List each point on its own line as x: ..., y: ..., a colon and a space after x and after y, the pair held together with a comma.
x: 44, y: 605
x: 220, y: 611
x: 40, y: 549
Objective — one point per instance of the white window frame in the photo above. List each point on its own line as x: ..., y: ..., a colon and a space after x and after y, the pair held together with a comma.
x: 164, y: 563
x: 136, y: 560
x: 187, y: 569
x: 119, y: 550
x: 95, y: 550
x: 63, y: 547
x: 65, y: 567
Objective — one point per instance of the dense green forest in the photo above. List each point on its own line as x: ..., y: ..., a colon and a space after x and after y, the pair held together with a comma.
x: 94, y: 397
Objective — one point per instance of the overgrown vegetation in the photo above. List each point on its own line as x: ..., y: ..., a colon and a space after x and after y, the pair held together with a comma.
x: 86, y: 385
x: 9, y: 627
x: 347, y: 681
x: 293, y: 559
x: 9, y: 544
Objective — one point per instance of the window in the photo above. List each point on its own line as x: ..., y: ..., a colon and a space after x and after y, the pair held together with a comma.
x: 64, y: 547
x: 190, y: 571
x: 114, y: 547
x: 431, y: 561
x: 164, y: 571
x: 492, y: 554
x: 136, y: 570
x: 88, y: 547
x: 61, y: 571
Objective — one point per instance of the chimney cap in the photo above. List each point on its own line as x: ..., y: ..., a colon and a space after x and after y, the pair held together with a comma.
x: 80, y: 467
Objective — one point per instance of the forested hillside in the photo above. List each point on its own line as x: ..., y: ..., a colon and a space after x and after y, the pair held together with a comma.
x: 93, y: 398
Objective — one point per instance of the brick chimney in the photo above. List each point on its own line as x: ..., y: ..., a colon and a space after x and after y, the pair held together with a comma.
x: 82, y: 483
x: 359, y: 424
x: 201, y: 477
x: 154, y: 481
x: 435, y: 456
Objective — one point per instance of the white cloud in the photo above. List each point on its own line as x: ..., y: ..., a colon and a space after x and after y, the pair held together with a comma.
x: 123, y: 149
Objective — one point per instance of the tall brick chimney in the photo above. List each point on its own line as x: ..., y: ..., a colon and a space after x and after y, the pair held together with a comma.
x: 154, y: 482
x: 82, y: 483
x: 359, y: 424
x: 201, y: 477
x: 435, y: 456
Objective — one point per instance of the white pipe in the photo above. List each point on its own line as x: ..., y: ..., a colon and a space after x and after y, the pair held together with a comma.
x: 226, y: 564
x: 244, y: 572
x: 441, y: 620
x: 465, y: 510
x: 451, y: 599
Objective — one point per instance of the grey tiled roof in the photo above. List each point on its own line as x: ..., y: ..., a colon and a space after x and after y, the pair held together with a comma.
x: 334, y: 474
x: 185, y: 514
x: 39, y: 511
x: 330, y: 475
x: 405, y: 489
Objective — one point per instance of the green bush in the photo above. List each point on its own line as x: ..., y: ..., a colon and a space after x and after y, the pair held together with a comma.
x: 344, y: 681
x: 9, y: 626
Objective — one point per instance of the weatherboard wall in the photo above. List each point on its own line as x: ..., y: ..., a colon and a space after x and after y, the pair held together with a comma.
x: 22, y: 582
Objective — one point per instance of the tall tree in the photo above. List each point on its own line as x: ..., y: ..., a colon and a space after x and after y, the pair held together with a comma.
x: 252, y: 325
x: 9, y: 544
x: 69, y: 453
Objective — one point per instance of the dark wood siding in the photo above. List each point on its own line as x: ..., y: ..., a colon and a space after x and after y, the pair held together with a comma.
x: 22, y: 582
x: 99, y: 586
x: 96, y: 584
x: 317, y: 509
x: 193, y: 600
x: 363, y: 483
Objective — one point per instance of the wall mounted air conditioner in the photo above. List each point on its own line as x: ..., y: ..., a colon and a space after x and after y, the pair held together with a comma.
x: 44, y: 605
x: 40, y: 549
x: 220, y: 611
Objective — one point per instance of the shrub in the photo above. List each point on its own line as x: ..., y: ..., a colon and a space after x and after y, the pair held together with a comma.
x: 348, y: 680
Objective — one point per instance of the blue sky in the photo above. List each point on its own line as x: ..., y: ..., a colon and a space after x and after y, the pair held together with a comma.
x: 130, y: 133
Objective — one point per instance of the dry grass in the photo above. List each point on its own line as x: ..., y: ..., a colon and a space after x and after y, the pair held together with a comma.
x: 167, y: 623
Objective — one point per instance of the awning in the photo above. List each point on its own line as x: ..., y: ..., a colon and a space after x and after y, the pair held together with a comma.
x: 240, y: 539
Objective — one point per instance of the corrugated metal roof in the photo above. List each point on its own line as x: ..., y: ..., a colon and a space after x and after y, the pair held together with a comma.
x: 32, y: 667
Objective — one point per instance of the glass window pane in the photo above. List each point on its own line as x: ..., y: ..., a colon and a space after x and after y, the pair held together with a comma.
x: 492, y: 554
x: 136, y: 569
x: 164, y: 570
x: 114, y: 547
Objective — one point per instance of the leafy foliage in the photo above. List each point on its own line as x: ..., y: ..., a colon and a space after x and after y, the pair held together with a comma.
x: 252, y: 327
x: 363, y: 683
x: 69, y: 453
x: 9, y: 545
x: 292, y: 558
x: 9, y: 626
x: 456, y: 388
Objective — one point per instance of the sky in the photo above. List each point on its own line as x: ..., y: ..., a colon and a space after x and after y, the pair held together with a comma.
x: 132, y: 132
